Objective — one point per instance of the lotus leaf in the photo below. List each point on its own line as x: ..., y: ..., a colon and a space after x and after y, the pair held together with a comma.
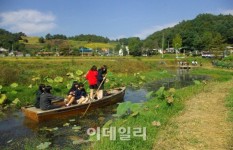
x: 16, y: 101
x: 76, y: 128
x: 77, y: 140
x: 142, y: 78
x: 35, y: 78
x: 56, y: 128
x: 44, y: 145
x: 14, y: 85
x: 68, y: 85
x: 70, y: 74
x: 197, y: 82
x: 77, y: 78
x: 58, y: 79
x: 14, y: 92
x: 2, y: 98
x: 149, y: 94
x: 66, y: 124
x: 49, y: 80
x: 9, y: 141
x: 30, y: 86
x: 135, y: 107
x: 79, y: 72
x: 123, y: 108
x: 134, y: 114
x: 71, y: 120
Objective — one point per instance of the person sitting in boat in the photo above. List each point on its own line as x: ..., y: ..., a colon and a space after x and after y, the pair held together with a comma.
x: 71, y: 92
x: 46, y: 99
x: 102, y: 72
x: 38, y: 93
x: 80, y: 95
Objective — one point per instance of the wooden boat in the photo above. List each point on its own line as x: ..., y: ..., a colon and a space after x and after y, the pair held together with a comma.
x: 113, y: 96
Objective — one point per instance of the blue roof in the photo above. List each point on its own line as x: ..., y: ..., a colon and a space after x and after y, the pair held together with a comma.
x: 85, y: 50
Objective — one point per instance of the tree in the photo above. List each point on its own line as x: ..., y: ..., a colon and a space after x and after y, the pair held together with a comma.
x: 177, y: 42
x: 149, y: 44
x: 217, y: 41
x: 135, y: 46
x: 48, y: 36
x: 124, y: 51
x: 41, y: 40
x: 117, y: 47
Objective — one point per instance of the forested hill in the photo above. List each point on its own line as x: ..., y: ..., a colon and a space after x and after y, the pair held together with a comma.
x: 204, y: 32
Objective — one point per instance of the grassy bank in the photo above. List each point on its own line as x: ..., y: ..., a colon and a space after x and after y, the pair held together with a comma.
x: 155, y: 114
x: 154, y: 110
x: 229, y: 104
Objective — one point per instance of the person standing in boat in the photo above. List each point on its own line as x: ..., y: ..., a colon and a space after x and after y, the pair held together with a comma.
x: 91, y: 76
x: 38, y: 93
x: 101, y: 80
x: 46, y: 99
x: 71, y: 92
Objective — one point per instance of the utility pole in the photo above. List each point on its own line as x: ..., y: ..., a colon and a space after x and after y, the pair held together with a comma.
x: 162, y: 44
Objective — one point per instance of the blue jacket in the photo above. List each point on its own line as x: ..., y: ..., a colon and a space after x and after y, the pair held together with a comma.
x: 80, y: 93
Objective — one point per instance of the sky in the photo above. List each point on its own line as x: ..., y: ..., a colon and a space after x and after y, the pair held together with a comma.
x: 113, y: 19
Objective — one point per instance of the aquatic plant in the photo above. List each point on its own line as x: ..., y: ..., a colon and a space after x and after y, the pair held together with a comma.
x: 2, y: 98
x: 127, y: 108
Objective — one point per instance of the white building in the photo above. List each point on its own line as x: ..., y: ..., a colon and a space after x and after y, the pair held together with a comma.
x: 121, y: 53
x: 3, y: 50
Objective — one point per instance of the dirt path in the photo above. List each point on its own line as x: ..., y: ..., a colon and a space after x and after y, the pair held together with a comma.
x: 202, y: 125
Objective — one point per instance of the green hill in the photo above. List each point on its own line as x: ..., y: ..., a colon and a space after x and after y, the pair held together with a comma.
x: 33, y: 43
x: 204, y: 32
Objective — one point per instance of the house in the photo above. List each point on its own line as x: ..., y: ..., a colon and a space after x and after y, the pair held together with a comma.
x: 230, y: 49
x: 3, y: 50
x: 45, y: 53
x: 121, y: 52
x: 86, y: 51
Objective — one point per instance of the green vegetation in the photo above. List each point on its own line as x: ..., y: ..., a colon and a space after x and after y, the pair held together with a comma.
x: 227, y: 62
x: 28, y: 73
x: 20, y: 77
x: 218, y: 75
x: 154, y: 114
x: 205, y: 32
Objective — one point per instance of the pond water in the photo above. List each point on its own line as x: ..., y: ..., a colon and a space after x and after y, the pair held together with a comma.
x: 15, y: 129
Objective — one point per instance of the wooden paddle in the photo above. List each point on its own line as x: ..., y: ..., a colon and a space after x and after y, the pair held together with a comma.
x: 94, y: 95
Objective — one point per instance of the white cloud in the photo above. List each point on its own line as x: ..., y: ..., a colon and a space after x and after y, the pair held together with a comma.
x: 227, y: 12
x: 27, y: 21
x: 143, y: 34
